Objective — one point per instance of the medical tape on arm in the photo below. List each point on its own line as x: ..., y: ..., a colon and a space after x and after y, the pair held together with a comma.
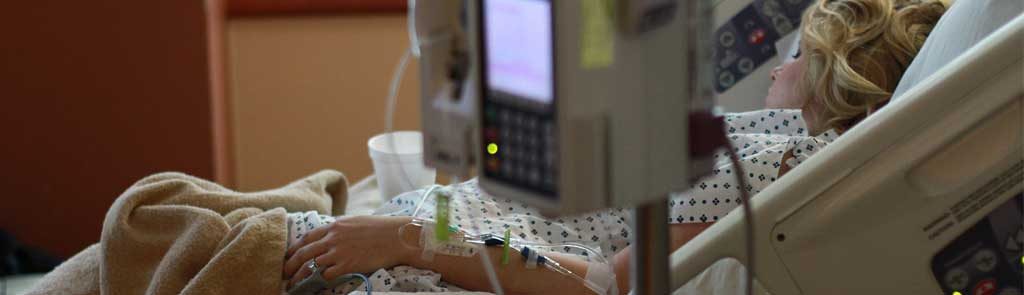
x: 531, y: 258
x: 452, y: 247
x: 426, y: 236
x: 601, y: 277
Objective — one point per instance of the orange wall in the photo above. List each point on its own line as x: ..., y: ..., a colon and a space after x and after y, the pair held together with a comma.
x: 101, y: 93
x: 97, y: 94
x: 308, y: 91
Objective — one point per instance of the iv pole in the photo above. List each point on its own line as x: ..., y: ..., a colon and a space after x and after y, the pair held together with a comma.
x: 649, y: 263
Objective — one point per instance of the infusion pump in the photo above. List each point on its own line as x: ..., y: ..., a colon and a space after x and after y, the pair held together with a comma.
x: 569, y: 106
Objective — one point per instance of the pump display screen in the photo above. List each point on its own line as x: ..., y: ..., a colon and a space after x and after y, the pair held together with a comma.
x: 518, y: 48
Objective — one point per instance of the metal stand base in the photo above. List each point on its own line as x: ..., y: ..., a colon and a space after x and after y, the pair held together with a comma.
x: 649, y: 263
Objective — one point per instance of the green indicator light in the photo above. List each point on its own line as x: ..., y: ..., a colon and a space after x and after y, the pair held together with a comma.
x: 492, y: 148
x: 957, y: 293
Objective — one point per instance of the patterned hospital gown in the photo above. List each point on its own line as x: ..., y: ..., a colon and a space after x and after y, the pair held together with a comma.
x: 760, y: 139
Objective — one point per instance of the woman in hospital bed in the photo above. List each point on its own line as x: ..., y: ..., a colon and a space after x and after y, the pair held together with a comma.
x: 852, y: 54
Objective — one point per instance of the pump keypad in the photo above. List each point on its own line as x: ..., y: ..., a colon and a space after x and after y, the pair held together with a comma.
x: 520, y: 147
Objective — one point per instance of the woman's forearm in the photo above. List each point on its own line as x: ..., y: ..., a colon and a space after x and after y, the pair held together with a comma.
x: 679, y: 235
x: 515, y: 278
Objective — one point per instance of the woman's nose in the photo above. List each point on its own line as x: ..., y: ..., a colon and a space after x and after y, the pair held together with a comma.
x: 776, y: 71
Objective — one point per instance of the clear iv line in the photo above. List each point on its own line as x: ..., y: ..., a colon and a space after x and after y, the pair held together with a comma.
x: 389, y: 113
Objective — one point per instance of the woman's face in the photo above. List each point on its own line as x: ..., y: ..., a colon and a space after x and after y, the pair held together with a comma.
x: 784, y: 93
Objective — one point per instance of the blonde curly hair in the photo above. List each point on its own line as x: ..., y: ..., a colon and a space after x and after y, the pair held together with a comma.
x: 856, y: 52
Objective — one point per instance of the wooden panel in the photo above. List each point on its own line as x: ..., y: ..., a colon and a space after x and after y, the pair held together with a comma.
x: 220, y: 105
x: 97, y: 94
x: 265, y: 7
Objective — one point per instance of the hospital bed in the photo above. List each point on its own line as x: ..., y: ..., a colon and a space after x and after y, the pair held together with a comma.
x: 892, y: 206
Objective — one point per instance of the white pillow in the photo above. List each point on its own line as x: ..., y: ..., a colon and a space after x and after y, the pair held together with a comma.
x: 966, y: 23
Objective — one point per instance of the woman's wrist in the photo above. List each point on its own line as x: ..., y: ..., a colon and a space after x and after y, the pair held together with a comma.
x: 407, y: 239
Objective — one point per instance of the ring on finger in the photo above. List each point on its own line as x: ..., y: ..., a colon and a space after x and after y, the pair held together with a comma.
x: 313, y: 267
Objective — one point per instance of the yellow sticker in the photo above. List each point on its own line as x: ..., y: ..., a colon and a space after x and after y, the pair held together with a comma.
x: 597, y: 39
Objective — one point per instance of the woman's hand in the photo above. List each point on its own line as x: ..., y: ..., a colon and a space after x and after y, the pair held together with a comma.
x: 785, y: 160
x: 360, y: 244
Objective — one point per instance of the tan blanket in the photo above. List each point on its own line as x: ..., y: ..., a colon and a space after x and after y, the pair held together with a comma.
x: 172, y: 233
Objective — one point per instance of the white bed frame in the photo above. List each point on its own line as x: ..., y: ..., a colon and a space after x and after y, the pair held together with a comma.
x: 849, y: 220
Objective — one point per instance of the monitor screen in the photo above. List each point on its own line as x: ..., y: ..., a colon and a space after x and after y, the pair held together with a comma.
x: 518, y: 48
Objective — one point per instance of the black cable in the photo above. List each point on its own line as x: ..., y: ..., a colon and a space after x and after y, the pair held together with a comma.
x: 748, y: 216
